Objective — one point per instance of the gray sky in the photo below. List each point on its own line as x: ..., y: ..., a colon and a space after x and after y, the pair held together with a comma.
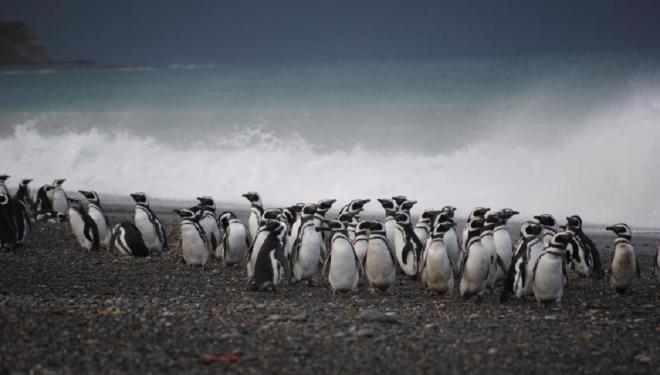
x: 274, y: 31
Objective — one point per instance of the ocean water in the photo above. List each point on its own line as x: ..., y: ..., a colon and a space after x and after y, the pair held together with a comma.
x: 544, y: 134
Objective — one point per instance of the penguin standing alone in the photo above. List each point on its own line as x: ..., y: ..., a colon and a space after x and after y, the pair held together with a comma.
x: 194, y: 246
x: 99, y: 216
x: 83, y: 226
x: 624, y: 262
x: 152, y: 230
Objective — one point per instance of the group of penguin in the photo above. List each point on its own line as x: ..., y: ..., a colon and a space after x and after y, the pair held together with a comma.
x: 295, y: 243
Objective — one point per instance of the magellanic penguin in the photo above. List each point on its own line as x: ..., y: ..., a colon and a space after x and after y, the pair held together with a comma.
x: 398, y: 201
x: 43, y: 206
x: 97, y: 213
x: 437, y: 267
x: 624, y: 262
x: 256, y: 210
x: 8, y: 231
x: 550, y: 227
x: 407, y: 247
x: 550, y: 271
x: 503, y: 243
x: 23, y: 194
x: 380, y: 263
x: 591, y: 253
x: 361, y: 241
x: 476, y: 262
x: 306, y: 251
x: 319, y: 220
x: 342, y: 265
x: 528, y: 249
x: 152, y: 230
x: 3, y: 187
x: 194, y: 246
x: 60, y: 200
x: 234, y: 242
x: 269, y: 265
x: 406, y: 206
x: 126, y: 240
x: 424, y: 224
x: 269, y: 215
x: 390, y: 221
x: 83, y: 226
x: 495, y: 266
x: 451, y: 237
x: 476, y: 213
x: 208, y: 221
x: 356, y: 205
x: 22, y: 220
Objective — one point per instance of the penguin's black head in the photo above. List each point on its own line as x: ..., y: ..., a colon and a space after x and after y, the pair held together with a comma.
x: 561, y: 239
x: 441, y: 217
x: 491, y: 219
x: 295, y: 209
x: 621, y: 230
x: 206, y: 201
x: 91, y: 196
x: 429, y: 215
x: 4, y: 177
x: 271, y: 214
x: 507, y: 213
x: 252, y: 196
x: 362, y: 226
x: 374, y: 226
x: 4, y: 199
x: 402, y: 217
x: 59, y: 182
x: 450, y: 210
x: 225, y: 217
x: 386, y: 204
x: 185, y: 213
x: 336, y: 226
x: 358, y: 204
x: 574, y: 221
x: 25, y: 181
x: 140, y: 197
x: 325, y: 204
x: 309, y: 209
x: 398, y: 199
x: 407, y: 205
x: 546, y: 220
x: 47, y: 188
x: 478, y: 212
x: 441, y: 228
x: 530, y: 229
x: 273, y: 226
x: 348, y: 217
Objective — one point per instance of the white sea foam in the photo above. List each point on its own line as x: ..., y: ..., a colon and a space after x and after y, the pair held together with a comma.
x: 605, y: 169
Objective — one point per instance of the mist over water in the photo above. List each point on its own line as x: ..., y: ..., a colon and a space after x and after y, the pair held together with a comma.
x: 559, y: 137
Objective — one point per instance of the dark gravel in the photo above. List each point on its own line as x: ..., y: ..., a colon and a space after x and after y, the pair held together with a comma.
x: 67, y: 311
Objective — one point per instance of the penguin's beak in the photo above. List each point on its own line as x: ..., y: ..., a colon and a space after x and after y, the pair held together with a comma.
x: 537, y: 217
x: 513, y: 213
x: 83, y: 192
x: 611, y: 228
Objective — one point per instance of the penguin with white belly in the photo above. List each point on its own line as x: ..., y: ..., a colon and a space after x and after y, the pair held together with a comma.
x: 380, y: 263
x: 99, y: 216
x: 194, y: 246
x: 126, y: 240
x: 549, y: 273
x: 495, y: 265
x: 270, y: 215
x: 476, y: 262
x: 503, y: 243
x: 624, y: 262
x: 59, y: 197
x: 586, y: 246
x: 528, y: 249
x: 390, y: 221
x: 256, y: 210
x: 83, y: 226
x: 234, y: 242
x: 152, y: 230
x: 306, y: 251
x: 208, y: 221
x: 361, y: 241
x: 342, y: 265
x: 269, y: 268
x: 437, y: 268
x: 407, y: 247
x: 550, y: 227
x: 451, y: 238
x: 476, y: 213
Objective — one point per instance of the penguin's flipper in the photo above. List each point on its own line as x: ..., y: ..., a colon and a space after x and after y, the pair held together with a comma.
x: 404, y: 254
x: 500, y: 263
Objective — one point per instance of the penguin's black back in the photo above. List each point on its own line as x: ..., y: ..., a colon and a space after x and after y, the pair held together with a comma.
x: 133, y: 238
x: 263, y: 269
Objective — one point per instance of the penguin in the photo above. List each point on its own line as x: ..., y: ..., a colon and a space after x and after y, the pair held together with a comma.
x: 476, y: 213
x: 83, y: 226
x: 270, y: 215
x: 549, y: 273
x: 208, y: 221
x: 503, y: 243
x: 43, y: 206
x: 319, y: 220
x: 256, y: 210
x: 390, y: 221
x: 8, y: 231
x: 451, y: 238
x: 59, y: 197
x: 398, y: 200
x: 361, y: 241
x: 194, y: 246
x: 476, y: 262
x: 342, y: 265
x: 97, y: 213
x: 126, y: 240
x: 21, y: 219
x: 591, y: 254
x: 406, y: 206
x: 528, y: 249
x: 3, y: 187
x: 152, y: 230
x: 234, y: 242
x: 495, y: 265
x: 23, y: 193
x: 550, y: 227
x: 437, y: 268
x: 269, y: 267
x: 306, y: 251
x: 624, y: 262
x: 424, y: 224
x: 380, y: 263
x: 441, y: 217
x: 407, y: 247
x: 354, y: 205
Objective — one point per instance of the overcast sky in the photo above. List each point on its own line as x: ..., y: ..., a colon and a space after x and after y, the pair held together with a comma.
x: 213, y: 31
